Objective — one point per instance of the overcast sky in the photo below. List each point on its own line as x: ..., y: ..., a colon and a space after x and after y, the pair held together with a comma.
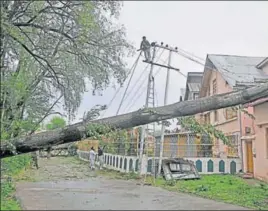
x: 234, y: 28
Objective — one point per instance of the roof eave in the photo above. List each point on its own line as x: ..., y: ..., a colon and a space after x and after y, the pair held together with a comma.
x: 206, y: 75
x: 262, y: 63
x: 257, y: 102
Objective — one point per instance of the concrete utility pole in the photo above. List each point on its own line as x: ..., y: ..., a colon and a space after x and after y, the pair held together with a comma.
x: 150, y: 81
x: 163, y: 126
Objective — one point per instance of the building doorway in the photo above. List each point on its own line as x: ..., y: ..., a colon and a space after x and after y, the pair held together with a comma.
x: 249, y: 158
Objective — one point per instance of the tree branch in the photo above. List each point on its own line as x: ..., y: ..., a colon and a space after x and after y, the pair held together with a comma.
x: 43, y: 28
x: 37, y: 57
x: 46, y: 115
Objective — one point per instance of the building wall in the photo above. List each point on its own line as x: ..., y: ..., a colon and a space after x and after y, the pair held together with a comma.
x: 228, y: 127
x: 222, y: 123
x: 265, y: 69
x: 248, y: 122
x: 260, y: 147
x: 222, y: 87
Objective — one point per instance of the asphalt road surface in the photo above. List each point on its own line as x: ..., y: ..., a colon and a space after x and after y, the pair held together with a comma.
x: 70, y: 186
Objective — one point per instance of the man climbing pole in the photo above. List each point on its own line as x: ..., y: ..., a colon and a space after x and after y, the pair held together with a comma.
x: 146, y: 48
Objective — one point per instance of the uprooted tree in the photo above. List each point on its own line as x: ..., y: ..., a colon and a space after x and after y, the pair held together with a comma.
x: 50, y: 50
x: 91, y: 128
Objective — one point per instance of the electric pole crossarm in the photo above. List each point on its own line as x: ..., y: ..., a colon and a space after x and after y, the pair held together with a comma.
x: 166, y: 47
x: 161, y: 65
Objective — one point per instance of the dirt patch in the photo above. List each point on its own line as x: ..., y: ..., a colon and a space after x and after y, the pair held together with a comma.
x: 58, y: 169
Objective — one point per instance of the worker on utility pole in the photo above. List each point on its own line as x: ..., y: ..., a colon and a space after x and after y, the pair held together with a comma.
x: 146, y: 48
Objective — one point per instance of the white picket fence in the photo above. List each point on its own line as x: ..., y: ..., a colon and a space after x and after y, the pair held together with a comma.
x: 130, y: 163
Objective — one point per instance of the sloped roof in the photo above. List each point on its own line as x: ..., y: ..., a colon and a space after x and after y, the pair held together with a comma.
x: 263, y: 63
x: 238, y: 69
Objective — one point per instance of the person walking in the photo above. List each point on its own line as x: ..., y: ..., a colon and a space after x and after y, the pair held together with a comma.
x: 100, y: 155
x: 92, y: 156
x: 34, y: 160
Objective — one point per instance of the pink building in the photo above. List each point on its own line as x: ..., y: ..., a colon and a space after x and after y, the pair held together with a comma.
x: 255, y: 145
x: 226, y: 73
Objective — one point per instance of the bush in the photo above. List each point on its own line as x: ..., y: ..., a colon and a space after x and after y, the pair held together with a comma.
x: 11, y: 167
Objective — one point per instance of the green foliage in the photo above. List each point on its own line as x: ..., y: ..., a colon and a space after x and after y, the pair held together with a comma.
x: 8, y: 202
x: 9, y: 168
x: 170, y: 183
x: 114, y: 137
x: 227, y: 188
x: 96, y: 131
x: 94, y: 112
x: 44, y: 66
x: 241, y: 109
x: 192, y: 124
x: 55, y: 123
x: 13, y: 165
x: 201, y: 188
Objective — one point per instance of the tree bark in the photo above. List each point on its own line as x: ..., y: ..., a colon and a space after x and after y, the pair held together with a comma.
x: 78, y: 131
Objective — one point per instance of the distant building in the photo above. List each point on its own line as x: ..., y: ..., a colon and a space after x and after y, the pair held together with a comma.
x: 182, y: 91
x: 193, y: 84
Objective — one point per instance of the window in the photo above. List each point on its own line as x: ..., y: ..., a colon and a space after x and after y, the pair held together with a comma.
x: 196, y: 95
x: 232, y: 149
x: 230, y: 113
x: 207, y: 118
x: 216, y: 118
x: 214, y: 87
x: 208, y: 91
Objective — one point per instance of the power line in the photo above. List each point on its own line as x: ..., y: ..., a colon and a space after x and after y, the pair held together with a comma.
x: 128, y: 106
x: 191, y: 54
x: 142, y: 74
x: 138, y: 97
x: 118, y: 89
x: 221, y: 66
x: 200, y: 63
x: 134, y: 67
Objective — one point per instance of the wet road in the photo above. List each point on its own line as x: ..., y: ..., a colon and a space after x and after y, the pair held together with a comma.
x: 104, y: 194
x: 76, y: 193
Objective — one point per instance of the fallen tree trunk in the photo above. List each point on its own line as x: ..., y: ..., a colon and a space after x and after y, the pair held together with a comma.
x: 78, y: 131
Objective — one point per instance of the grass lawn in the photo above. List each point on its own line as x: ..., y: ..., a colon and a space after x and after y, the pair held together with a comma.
x: 227, y: 188
x: 10, y: 168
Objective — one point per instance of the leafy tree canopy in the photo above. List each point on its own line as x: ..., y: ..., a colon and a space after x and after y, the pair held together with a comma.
x: 55, y: 123
x: 50, y: 50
